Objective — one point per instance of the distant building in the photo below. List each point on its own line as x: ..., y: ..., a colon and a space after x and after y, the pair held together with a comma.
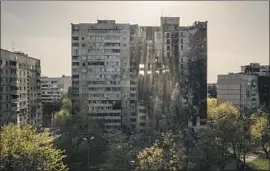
x: 212, y: 90
x: 263, y: 73
x: 256, y: 68
x: 239, y: 89
x: 52, y: 90
x: 20, y: 88
x: 53, y: 87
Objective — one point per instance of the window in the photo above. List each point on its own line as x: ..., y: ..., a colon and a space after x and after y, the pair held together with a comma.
x: 181, y: 34
x: 75, y: 38
x: 181, y: 41
x: 182, y: 66
x: 116, y: 50
x: 168, y: 41
x: 181, y: 60
x: 75, y: 57
x: 143, y: 117
x: 168, y: 54
x: 82, y: 38
x: 75, y: 76
x: 75, y: 44
x: 83, y: 45
x: 168, y: 48
x: 133, y: 120
x: 75, y: 63
x: 181, y: 47
x: 142, y: 124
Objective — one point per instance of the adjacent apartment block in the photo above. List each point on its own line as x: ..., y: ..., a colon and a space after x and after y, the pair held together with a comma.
x: 20, y: 88
x: 240, y: 89
x: 53, y: 87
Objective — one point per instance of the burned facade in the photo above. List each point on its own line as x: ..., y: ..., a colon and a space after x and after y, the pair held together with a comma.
x: 173, y: 57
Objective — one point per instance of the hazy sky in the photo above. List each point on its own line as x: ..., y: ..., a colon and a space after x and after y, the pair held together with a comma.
x: 238, y: 32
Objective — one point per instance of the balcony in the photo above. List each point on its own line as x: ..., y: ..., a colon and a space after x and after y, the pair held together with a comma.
x: 14, y: 98
x: 13, y: 108
x: 14, y: 92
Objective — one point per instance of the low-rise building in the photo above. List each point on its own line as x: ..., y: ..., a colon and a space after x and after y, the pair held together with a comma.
x: 239, y: 89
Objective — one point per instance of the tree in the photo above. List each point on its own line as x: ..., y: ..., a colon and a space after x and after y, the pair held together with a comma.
x: 164, y: 154
x: 82, y: 141
x: 24, y: 149
x: 210, y: 151
x: 260, y: 131
x: 66, y: 104
x: 211, y: 106
x: 122, y: 149
x: 61, y: 117
x: 232, y: 127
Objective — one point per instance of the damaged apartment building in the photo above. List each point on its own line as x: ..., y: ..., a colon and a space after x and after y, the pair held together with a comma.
x: 20, y: 89
x: 173, y: 67
x: 116, y: 65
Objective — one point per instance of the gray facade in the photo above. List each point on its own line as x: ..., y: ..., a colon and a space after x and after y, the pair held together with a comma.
x: 239, y: 89
x: 101, y: 78
x: 20, y: 88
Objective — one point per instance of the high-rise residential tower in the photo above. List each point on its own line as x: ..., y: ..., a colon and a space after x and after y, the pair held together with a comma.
x: 101, y: 72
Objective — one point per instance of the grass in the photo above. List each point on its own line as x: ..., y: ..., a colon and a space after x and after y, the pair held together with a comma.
x: 259, y: 164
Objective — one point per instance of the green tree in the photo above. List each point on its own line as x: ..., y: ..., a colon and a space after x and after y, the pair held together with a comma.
x: 122, y: 149
x: 210, y: 151
x: 82, y: 141
x: 260, y: 131
x: 66, y: 104
x: 211, y: 106
x: 164, y: 154
x: 232, y: 127
x: 60, y: 118
x: 24, y: 149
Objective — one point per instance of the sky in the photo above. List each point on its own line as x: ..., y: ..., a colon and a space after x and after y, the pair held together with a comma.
x: 238, y: 32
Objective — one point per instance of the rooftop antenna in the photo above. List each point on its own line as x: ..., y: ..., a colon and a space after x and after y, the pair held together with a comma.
x: 13, y: 46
